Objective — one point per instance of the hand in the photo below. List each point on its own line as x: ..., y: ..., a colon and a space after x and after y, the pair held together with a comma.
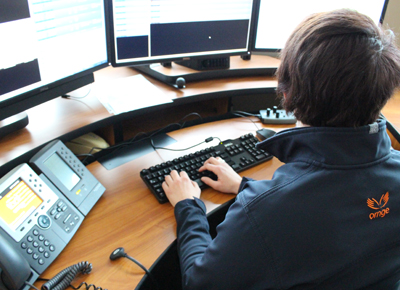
x: 178, y: 187
x: 228, y: 180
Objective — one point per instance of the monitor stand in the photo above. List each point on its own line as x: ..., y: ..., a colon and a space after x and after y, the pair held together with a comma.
x: 178, y: 75
x: 13, y: 123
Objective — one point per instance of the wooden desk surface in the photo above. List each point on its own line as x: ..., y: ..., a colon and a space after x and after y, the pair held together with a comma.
x: 129, y: 216
x: 60, y: 116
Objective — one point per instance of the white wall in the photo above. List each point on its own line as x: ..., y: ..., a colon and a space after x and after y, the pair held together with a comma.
x: 392, y: 18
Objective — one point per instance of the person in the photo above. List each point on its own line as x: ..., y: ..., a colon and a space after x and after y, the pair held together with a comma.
x: 329, y: 217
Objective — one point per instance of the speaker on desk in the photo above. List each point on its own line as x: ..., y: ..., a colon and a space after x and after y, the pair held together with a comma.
x: 166, y: 270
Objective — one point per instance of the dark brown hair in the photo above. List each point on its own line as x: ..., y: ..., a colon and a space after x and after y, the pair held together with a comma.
x: 338, y: 69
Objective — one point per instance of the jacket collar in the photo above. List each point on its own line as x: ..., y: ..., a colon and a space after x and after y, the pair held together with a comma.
x: 330, y: 145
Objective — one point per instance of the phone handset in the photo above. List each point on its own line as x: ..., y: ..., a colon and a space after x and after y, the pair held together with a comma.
x: 15, y: 269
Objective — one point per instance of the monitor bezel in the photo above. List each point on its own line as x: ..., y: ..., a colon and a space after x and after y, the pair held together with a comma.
x: 112, y: 48
x: 254, y: 27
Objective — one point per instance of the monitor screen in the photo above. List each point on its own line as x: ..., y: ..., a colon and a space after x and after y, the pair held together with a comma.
x: 144, y: 32
x: 275, y: 20
x: 47, y: 44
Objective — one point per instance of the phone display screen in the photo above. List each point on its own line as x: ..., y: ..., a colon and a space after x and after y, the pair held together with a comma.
x: 17, y: 203
x: 62, y: 171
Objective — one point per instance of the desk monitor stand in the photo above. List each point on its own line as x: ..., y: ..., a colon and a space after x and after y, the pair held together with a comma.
x: 178, y: 75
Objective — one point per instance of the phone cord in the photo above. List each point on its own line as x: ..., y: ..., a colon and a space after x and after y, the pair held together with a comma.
x: 63, y: 279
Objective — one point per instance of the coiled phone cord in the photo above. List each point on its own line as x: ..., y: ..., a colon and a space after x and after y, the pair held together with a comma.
x: 63, y: 279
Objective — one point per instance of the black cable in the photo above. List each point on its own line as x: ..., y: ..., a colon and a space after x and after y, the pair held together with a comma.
x: 87, y: 287
x: 245, y: 115
x: 63, y: 279
x: 31, y: 285
x: 120, y: 253
x: 209, y: 139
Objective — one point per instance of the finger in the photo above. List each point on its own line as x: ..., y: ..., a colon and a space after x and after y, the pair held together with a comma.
x: 210, y: 182
x: 183, y: 174
x: 211, y: 160
x: 174, y: 174
x: 207, y: 166
x: 220, y: 160
x: 165, y: 186
x: 168, y: 179
x: 195, y: 184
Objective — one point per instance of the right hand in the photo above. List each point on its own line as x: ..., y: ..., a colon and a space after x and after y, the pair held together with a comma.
x: 228, y: 180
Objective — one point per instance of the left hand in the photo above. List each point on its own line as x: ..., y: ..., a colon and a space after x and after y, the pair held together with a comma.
x: 178, y: 187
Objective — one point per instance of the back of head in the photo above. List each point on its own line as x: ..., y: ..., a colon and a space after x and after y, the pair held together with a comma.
x: 338, y: 69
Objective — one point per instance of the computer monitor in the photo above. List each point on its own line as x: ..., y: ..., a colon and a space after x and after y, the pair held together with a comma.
x: 162, y: 31
x: 48, y: 48
x: 275, y: 20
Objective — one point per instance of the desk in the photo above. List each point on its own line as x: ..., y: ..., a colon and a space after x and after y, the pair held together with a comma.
x: 128, y: 215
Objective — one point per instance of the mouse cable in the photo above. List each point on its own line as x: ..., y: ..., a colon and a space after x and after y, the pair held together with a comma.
x: 247, y: 115
x: 209, y: 139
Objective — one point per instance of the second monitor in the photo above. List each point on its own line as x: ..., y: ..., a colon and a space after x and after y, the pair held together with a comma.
x: 198, y: 34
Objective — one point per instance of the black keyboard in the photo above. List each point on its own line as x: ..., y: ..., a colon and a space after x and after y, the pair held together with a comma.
x: 239, y: 153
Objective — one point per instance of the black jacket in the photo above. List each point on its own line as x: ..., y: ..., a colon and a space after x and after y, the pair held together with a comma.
x: 328, y: 219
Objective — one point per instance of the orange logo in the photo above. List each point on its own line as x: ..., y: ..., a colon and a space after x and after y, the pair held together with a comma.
x: 372, y: 203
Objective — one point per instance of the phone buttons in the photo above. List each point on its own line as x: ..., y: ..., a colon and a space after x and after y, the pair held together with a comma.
x: 44, y: 221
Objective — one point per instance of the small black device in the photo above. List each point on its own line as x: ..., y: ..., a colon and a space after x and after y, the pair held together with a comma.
x: 264, y: 133
x: 239, y: 153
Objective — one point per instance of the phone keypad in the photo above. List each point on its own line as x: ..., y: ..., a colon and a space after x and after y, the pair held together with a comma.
x: 38, y: 246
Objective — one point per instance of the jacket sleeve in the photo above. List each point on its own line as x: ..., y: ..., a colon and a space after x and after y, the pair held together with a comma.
x: 235, y: 259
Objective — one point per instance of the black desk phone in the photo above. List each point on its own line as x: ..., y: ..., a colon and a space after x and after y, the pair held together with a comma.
x: 39, y: 214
